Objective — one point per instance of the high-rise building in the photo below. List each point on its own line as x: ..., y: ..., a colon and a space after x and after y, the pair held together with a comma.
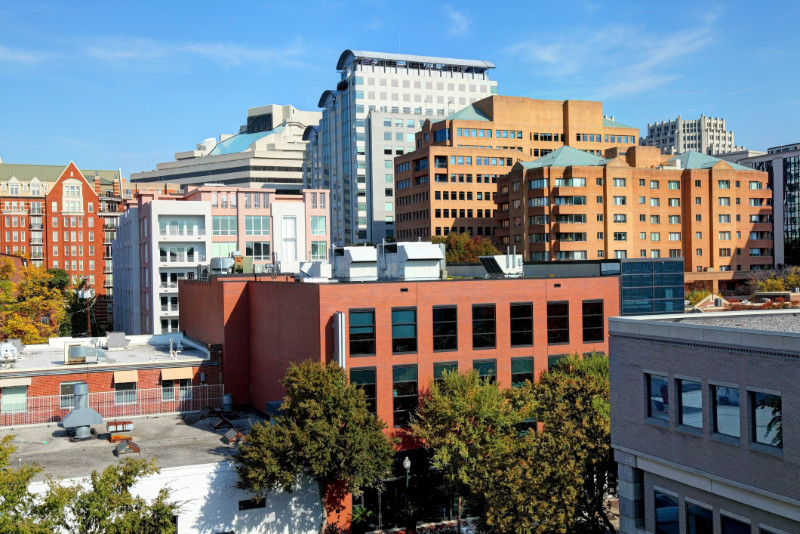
x: 380, y: 102
x: 448, y: 183
x: 267, y: 152
x: 782, y: 165
x: 570, y: 205
x: 706, y: 135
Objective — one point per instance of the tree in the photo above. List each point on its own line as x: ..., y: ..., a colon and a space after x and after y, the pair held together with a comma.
x: 461, y: 248
x: 35, y: 310
x: 80, y: 301
x: 105, y: 506
x: 324, y: 432
x: 464, y: 421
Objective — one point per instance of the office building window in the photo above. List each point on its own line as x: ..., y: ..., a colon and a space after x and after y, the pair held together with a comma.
x: 557, y: 322
x: 440, y: 367
x: 691, y: 399
x: 258, y: 250
x: 125, y: 393
x: 726, y: 410
x: 224, y: 224
x: 593, y: 323
x: 658, y: 397
x: 14, y: 399
x: 364, y: 379
x: 521, y: 324
x: 67, y: 390
x: 319, y: 250
x: 483, y: 326
x: 666, y: 514
x: 766, y: 419
x: 487, y: 369
x: 362, y: 332
x: 734, y: 526
x: 699, y: 520
x: 445, y: 328
x: 404, y: 330
x: 404, y: 394
x: 318, y: 225
x: 521, y: 370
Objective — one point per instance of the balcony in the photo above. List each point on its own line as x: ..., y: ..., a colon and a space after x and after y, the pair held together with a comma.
x: 182, y: 258
x: 36, y: 227
x: 167, y: 286
x: 36, y: 241
x: 182, y: 233
x: 167, y: 309
x: 37, y: 255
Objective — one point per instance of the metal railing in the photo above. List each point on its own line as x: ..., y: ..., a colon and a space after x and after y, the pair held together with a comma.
x: 181, y: 232
x: 113, y: 404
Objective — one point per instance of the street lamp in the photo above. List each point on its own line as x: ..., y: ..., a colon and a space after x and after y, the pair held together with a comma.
x: 407, y: 466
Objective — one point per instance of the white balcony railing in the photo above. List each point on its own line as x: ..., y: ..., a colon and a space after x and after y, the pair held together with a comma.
x: 182, y: 232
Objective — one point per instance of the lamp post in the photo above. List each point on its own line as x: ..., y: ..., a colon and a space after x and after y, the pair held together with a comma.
x: 407, y: 466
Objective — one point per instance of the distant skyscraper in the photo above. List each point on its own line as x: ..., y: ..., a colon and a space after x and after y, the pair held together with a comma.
x: 706, y: 134
x: 378, y: 105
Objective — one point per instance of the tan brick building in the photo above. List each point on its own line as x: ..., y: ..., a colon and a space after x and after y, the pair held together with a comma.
x: 572, y: 205
x: 449, y: 182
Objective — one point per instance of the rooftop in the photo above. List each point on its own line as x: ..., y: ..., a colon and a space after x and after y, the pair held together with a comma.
x: 50, y: 173
x: 142, y: 350
x: 566, y: 156
x: 240, y: 142
x: 171, y: 440
x: 608, y: 123
x: 469, y: 113
x: 362, y: 55
x: 696, y: 160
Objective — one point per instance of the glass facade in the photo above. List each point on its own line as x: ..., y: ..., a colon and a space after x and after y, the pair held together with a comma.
x: 652, y: 286
x: 791, y: 210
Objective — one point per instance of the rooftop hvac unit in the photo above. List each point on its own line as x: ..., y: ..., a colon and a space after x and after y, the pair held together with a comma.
x: 502, y: 266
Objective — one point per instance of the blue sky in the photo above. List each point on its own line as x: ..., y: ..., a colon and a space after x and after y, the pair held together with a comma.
x: 129, y: 86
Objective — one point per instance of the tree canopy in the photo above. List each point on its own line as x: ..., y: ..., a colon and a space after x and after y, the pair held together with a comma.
x: 324, y: 432
x: 461, y: 248
x: 31, y: 309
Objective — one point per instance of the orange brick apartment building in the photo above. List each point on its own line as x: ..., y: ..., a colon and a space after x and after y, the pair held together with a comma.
x: 449, y: 182
x: 574, y: 205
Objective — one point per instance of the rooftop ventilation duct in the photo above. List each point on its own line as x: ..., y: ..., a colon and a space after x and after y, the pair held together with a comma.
x: 81, y: 418
x: 502, y: 266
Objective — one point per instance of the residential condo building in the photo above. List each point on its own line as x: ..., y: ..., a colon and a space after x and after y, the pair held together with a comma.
x: 707, y: 135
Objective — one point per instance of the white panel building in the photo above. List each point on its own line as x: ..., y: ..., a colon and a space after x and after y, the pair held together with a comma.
x: 707, y: 135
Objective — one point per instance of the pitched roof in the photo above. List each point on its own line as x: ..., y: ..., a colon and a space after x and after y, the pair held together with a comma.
x: 240, y: 142
x: 697, y: 160
x: 566, y: 156
x: 51, y: 173
x: 614, y: 124
x: 469, y: 113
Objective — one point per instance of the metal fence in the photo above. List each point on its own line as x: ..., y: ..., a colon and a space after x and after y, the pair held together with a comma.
x: 113, y: 404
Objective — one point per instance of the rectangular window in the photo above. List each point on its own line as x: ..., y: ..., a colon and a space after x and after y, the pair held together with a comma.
x: 440, y: 367
x: 404, y: 330
x: 224, y: 224
x: 666, y: 514
x: 724, y: 201
x: 726, y: 410
x: 364, y: 379
x: 14, y: 400
x: 766, y: 419
x: 362, y: 332
x: 445, y: 328
x: 734, y: 526
x: 521, y: 371
x: 619, y: 182
x: 699, y: 520
x: 404, y: 394
x: 125, y: 393
x: 593, y: 321
x: 318, y: 225
x: 673, y: 184
x: 487, y: 369
x: 521, y: 324
x: 319, y: 250
x: 658, y: 397
x: 557, y: 322
x: 258, y: 250
x: 483, y: 326
x: 691, y: 409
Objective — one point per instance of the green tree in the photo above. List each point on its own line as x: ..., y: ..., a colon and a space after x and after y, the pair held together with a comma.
x: 324, y: 432
x: 78, y: 305
x: 461, y: 248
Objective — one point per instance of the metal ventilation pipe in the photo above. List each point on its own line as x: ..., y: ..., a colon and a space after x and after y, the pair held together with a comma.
x: 81, y: 394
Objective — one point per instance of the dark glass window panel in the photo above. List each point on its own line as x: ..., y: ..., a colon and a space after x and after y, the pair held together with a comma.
x: 667, y: 516
x: 699, y: 520
x: 521, y: 370
x: 487, y: 369
x: 445, y: 328
x: 691, y: 413
x: 441, y: 367
x: 726, y: 411
x: 404, y: 394
x: 658, y: 397
x: 404, y: 330
x: 557, y: 322
x: 734, y: 526
x: 365, y: 380
x: 483, y: 326
x: 553, y: 360
x: 521, y: 324
x: 593, y: 321
x: 766, y: 419
x: 362, y: 332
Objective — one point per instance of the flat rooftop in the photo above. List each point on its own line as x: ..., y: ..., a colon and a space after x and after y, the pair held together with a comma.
x: 140, y: 350
x: 171, y: 440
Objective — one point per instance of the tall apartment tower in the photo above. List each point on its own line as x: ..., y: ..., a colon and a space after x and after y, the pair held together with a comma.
x: 379, y: 104
x: 706, y: 135
x: 449, y: 182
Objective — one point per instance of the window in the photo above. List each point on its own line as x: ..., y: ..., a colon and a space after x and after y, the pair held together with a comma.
x: 445, y: 328
x: 734, y: 526
x: 726, y: 410
x: 483, y: 326
x: 67, y: 390
x: 724, y: 201
x: 658, y: 397
x: 655, y: 236
x: 655, y: 202
x: 674, y: 236
x: 766, y: 419
x: 620, y: 236
x: 666, y: 514
x: 404, y: 394
x: 724, y: 184
x: 725, y: 236
x: 593, y: 324
x: 15, y: 399
x: 404, y: 330
x: 168, y: 388
x: 521, y: 371
x: 362, y: 332
x: 655, y: 219
x: 125, y: 393
x: 619, y: 182
x: 440, y: 367
x: 258, y: 250
x: 224, y: 224
x: 318, y: 225
x: 699, y: 520
x: 653, y: 184
x: 319, y: 250
x: 755, y: 185
x: 620, y: 201
x: 691, y: 400
x: 364, y: 379
x: 673, y: 184
x: 620, y: 218
x: 724, y: 218
x: 487, y: 369
x: 521, y: 324
x: 557, y: 322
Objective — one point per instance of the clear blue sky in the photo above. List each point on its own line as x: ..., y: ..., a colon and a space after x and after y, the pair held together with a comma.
x: 127, y: 85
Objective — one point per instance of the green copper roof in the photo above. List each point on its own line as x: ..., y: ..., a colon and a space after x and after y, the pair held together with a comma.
x: 614, y: 124
x: 240, y: 142
x: 50, y: 173
x: 566, y: 156
x: 698, y: 160
x: 469, y: 113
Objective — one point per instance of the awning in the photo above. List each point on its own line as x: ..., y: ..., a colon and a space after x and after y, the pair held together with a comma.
x: 177, y: 373
x: 121, y: 377
x: 10, y: 382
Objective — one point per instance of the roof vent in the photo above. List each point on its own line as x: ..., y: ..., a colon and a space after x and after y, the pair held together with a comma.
x: 81, y: 419
x: 502, y: 266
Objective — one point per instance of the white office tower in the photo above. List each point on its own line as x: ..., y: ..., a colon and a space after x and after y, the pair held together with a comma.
x: 379, y: 103
x: 707, y: 135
